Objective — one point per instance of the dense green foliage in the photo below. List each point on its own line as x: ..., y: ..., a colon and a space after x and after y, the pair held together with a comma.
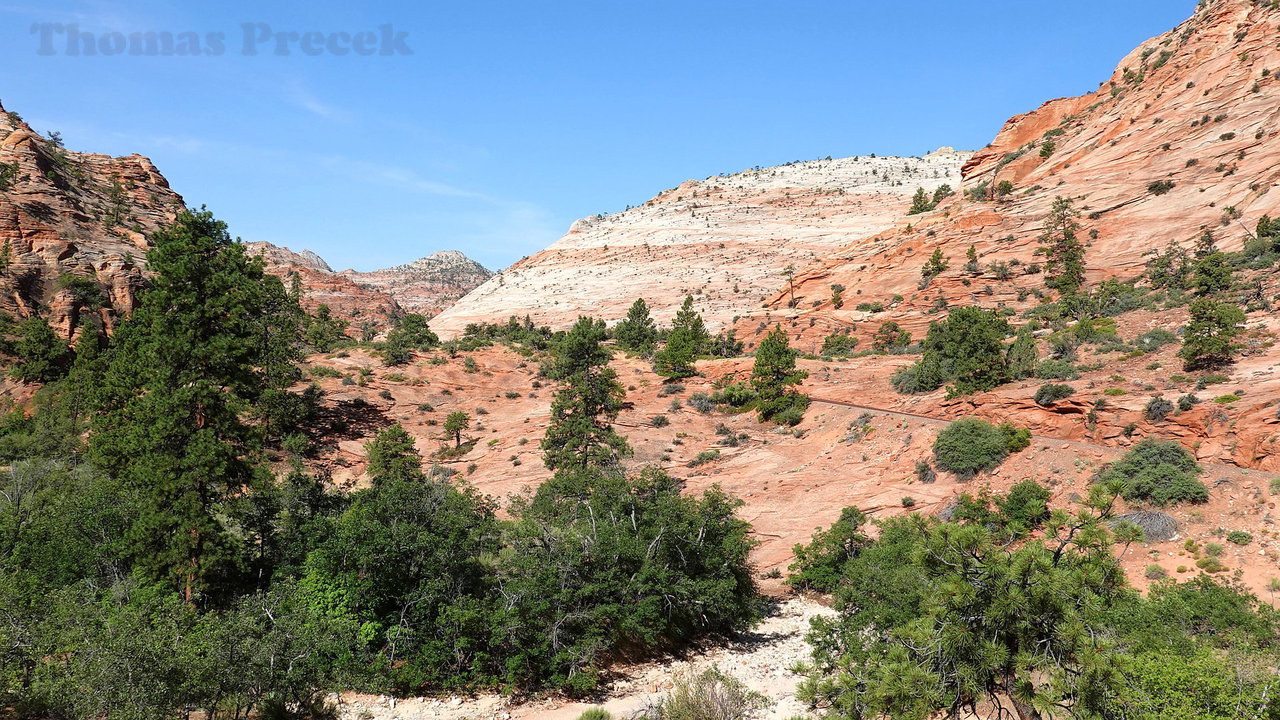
x: 1062, y: 249
x: 969, y: 446
x: 211, y: 338
x: 581, y: 435
x: 42, y: 356
x: 1050, y: 393
x: 966, y: 349
x: 165, y: 569
x: 410, y: 334
x: 1209, y: 340
x: 637, y: 333
x: 687, y: 340
x: 839, y: 344
x: 967, y: 616
x: 773, y: 378
x: 890, y: 337
x: 323, y: 331
x: 1159, y: 471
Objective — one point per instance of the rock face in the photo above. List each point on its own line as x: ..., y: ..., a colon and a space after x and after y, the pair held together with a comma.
x: 1184, y: 137
x: 73, y: 228
x: 426, y: 285
x: 376, y: 299
x: 360, y: 306
x: 726, y: 240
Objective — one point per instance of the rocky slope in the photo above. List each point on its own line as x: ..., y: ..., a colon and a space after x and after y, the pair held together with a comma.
x: 1185, y: 136
x: 726, y: 240
x: 75, y: 226
x: 376, y: 298
x: 426, y: 285
x: 320, y: 285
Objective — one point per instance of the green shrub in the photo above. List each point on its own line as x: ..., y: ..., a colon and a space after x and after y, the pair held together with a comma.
x: 819, y: 565
x: 704, y: 457
x: 736, y: 395
x: 1154, y: 339
x: 1024, y: 508
x: 1186, y: 402
x: 969, y: 446
x: 839, y: 345
x: 1157, y: 409
x: 659, y: 421
x: 1239, y: 537
x: 1057, y: 370
x: 1016, y: 439
x: 1050, y: 393
x: 966, y: 349
x: 595, y: 713
x: 710, y: 695
x: 1159, y: 471
x: 701, y: 402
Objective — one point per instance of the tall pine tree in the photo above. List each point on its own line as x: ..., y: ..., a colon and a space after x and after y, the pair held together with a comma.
x: 210, y: 336
x: 773, y: 376
x: 1063, y: 251
x: 581, y: 435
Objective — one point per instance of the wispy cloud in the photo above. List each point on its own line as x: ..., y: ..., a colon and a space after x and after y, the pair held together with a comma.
x: 405, y: 179
x: 303, y: 98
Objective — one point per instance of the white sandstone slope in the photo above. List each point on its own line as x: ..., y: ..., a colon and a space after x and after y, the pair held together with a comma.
x: 726, y: 240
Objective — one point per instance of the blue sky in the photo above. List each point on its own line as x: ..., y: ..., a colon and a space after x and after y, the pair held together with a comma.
x: 511, y: 119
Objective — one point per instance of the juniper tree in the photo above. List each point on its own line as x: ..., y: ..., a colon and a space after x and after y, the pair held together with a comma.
x: 454, y: 424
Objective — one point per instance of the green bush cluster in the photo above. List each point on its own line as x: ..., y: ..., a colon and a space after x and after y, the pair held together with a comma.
x: 966, y: 350
x: 1050, y: 393
x: 969, y: 446
x: 1158, y: 471
x: 933, y: 610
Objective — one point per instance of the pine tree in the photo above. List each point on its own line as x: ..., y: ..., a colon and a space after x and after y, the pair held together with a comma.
x: 411, y: 333
x: 42, y: 355
x: 454, y: 424
x: 687, y: 340
x: 186, y: 370
x: 1213, y: 273
x: 637, y: 333
x: 323, y: 331
x: 935, y: 266
x: 1063, y: 251
x: 920, y: 202
x: 581, y: 435
x: 773, y: 376
x: 688, y: 319
x: 393, y: 456
x: 971, y: 256
x: 1209, y: 340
